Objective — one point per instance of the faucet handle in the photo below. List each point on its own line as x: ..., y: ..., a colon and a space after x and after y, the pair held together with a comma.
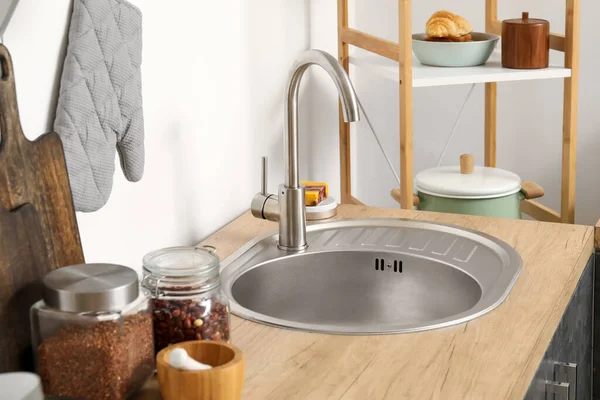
x: 264, y: 175
x: 265, y: 205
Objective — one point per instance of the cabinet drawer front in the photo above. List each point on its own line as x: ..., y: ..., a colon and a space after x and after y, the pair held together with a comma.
x: 571, y: 343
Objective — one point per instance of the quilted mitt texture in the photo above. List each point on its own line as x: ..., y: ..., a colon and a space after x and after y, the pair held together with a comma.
x: 99, y: 107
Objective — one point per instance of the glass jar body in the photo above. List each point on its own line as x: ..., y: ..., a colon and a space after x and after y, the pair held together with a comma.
x: 179, y: 316
x: 93, y: 355
x: 187, y: 302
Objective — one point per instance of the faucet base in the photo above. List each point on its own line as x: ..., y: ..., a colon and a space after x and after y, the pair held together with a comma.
x: 292, y: 250
x: 292, y: 222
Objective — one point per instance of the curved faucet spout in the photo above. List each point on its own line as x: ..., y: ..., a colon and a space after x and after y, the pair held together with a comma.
x: 345, y: 91
x: 289, y: 207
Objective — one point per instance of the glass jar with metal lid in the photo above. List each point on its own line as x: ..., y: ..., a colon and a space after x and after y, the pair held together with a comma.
x: 187, y: 301
x: 92, y: 333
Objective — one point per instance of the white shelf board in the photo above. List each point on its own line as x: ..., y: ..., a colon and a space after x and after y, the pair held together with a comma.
x: 426, y: 76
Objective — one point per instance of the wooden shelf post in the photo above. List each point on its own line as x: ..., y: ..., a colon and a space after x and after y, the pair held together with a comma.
x: 569, y: 142
x: 406, y: 110
x: 491, y: 16
x: 343, y: 58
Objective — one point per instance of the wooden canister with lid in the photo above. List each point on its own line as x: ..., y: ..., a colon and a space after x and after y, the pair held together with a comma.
x: 525, y: 43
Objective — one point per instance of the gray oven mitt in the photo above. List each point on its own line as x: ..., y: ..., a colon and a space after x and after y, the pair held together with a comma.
x: 100, y: 101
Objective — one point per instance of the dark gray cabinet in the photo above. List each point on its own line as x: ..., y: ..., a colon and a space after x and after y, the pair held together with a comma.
x: 571, y: 343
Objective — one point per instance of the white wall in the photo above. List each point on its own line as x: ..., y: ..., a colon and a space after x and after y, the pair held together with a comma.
x: 213, y: 76
x: 529, y: 113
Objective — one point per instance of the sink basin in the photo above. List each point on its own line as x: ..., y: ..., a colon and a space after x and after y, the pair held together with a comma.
x: 371, y: 277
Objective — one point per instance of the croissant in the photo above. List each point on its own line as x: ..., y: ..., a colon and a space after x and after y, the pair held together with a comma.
x: 447, y: 24
x: 465, y: 38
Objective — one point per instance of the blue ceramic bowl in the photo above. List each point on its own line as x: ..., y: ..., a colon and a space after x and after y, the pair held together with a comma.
x: 455, y: 54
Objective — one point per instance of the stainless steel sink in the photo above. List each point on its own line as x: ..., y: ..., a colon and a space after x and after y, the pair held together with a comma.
x: 375, y: 276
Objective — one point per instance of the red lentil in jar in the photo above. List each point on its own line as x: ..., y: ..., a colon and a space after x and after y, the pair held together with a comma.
x: 185, y: 290
x: 92, y: 333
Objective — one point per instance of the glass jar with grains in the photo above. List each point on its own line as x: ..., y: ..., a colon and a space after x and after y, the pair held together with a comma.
x: 187, y: 301
x: 92, y: 333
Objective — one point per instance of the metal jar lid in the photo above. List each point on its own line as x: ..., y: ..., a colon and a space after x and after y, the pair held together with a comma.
x: 90, y: 288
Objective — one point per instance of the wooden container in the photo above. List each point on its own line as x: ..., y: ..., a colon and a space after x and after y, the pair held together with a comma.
x: 525, y: 43
x: 223, y: 382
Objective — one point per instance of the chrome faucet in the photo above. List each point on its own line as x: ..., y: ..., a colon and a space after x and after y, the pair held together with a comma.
x: 289, y: 206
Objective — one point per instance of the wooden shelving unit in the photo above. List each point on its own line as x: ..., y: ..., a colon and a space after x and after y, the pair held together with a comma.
x: 394, y: 61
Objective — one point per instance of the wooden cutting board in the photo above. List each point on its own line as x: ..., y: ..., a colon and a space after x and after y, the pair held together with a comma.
x: 38, y: 228
x: 23, y: 264
x: 35, y: 173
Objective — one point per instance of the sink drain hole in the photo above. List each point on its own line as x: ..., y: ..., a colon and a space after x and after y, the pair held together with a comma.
x: 380, y: 265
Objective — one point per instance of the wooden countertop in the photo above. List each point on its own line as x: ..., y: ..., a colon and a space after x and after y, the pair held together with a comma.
x: 492, y: 357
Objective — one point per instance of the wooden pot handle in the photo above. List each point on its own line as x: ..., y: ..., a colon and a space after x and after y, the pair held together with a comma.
x: 397, y: 196
x: 531, y: 190
x: 467, y: 163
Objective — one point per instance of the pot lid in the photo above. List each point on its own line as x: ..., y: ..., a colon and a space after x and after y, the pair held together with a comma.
x: 467, y: 181
x: 90, y: 288
x: 525, y: 20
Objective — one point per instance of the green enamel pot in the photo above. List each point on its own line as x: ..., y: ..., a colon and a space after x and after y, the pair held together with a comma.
x: 502, y: 207
x: 484, y: 191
